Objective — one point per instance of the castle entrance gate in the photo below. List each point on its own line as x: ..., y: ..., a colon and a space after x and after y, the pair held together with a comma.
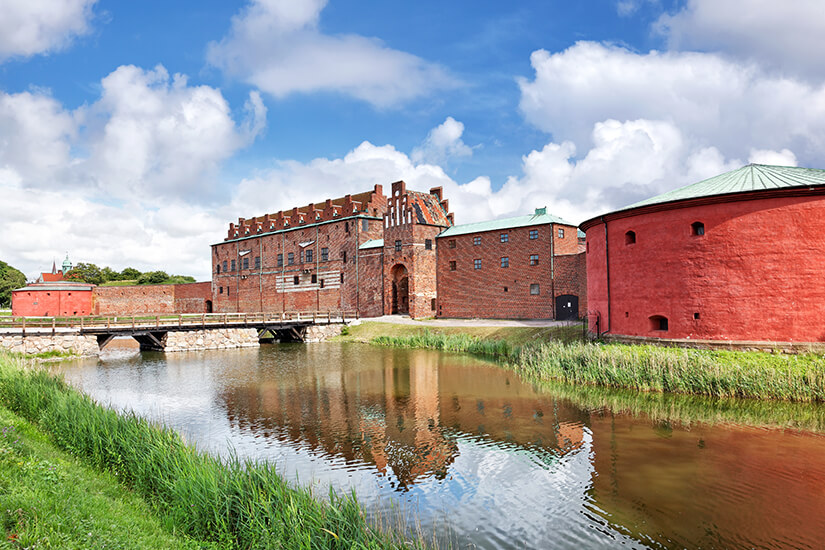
x: 400, y: 289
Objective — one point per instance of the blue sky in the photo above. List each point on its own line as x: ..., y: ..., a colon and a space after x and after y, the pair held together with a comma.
x: 132, y: 133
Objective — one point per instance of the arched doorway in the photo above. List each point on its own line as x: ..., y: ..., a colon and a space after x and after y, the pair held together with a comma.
x: 208, y: 306
x: 400, y: 289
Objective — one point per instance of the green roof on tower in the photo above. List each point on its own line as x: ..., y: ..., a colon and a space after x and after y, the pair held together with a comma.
x: 753, y: 177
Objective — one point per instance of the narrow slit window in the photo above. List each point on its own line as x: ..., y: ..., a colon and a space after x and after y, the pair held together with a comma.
x: 296, y: 280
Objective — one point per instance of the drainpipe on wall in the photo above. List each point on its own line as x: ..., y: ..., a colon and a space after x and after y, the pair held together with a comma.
x: 607, y: 274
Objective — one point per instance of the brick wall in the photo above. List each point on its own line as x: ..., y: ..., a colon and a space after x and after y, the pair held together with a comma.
x: 193, y: 297
x: 134, y: 300
x: 570, y: 272
x: 500, y: 292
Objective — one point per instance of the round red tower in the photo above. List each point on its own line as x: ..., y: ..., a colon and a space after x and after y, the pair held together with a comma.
x: 740, y: 257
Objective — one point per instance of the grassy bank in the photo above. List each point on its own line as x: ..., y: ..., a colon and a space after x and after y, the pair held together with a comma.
x: 232, y: 504
x: 643, y: 368
x: 49, y: 499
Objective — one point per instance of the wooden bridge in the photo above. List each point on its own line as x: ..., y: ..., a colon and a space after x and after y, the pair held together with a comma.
x: 149, y: 330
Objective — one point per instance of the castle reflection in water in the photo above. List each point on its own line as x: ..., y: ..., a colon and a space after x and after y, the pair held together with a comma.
x: 404, y: 417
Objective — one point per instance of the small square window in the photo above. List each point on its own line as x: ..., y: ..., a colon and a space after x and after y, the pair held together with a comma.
x: 697, y: 229
x: 477, y: 263
x: 296, y: 280
x: 534, y: 234
x: 476, y: 241
x: 505, y: 237
x: 534, y: 259
x: 452, y: 266
x: 451, y: 243
x: 696, y: 315
x: 561, y: 233
x: 505, y: 289
x: 428, y: 244
x: 534, y: 289
x: 398, y: 246
x: 314, y: 278
x: 505, y: 261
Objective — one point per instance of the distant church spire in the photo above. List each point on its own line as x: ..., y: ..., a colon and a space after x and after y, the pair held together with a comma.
x: 54, y: 266
x: 67, y: 265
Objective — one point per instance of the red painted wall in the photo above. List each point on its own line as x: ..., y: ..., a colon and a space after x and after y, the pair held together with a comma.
x: 756, y: 274
x: 51, y: 303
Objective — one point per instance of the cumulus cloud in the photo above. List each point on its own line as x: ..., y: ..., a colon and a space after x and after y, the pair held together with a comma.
x: 29, y: 27
x: 785, y: 36
x: 277, y: 46
x: 443, y: 143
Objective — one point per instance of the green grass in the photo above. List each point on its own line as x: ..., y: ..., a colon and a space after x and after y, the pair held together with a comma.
x: 517, y: 336
x: 641, y: 367
x: 5, y: 313
x: 125, y: 282
x: 234, y: 503
x: 48, y: 499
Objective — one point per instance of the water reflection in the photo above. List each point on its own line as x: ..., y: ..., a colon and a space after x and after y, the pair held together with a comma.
x: 506, y: 464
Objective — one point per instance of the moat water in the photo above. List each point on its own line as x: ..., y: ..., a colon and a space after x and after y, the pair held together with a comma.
x: 461, y: 447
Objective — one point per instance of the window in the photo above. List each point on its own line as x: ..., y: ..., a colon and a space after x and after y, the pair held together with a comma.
x: 505, y: 237
x: 257, y: 262
x: 321, y: 283
x: 218, y: 269
x: 342, y: 278
x: 534, y: 259
x: 346, y: 227
x: 505, y: 289
x: 534, y: 234
x: 697, y: 229
x: 301, y: 257
x: 246, y: 262
x: 280, y: 260
x: 227, y: 292
x: 220, y: 290
x: 432, y: 304
x: 630, y: 237
x: 477, y: 263
x: 398, y: 246
x: 534, y: 289
x: 344, y: 256
x: 233, y: 265
x: 365, y: 225
x: 296, y: 280
x: 309, y: 256
x: 476, y: 240
x: 325, y: 254
x: 505, y: 261
x: 658, y: 322
x: 224, y: 265
x: 561, y: 233
x: 696, y: 315
x: 452, y: 266
x: 428, y: 244
x: 290, y: 258
x: 451, y: 243
x: 314, y: 278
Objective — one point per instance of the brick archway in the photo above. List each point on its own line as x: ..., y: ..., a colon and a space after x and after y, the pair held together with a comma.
x: 400, y: 289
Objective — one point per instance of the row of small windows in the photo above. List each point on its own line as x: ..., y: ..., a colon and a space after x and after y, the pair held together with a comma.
x: 305, y: 256
x: 505, y: 262
x: 296, y: 280
x: 697, y: 229
x: 505, y: 237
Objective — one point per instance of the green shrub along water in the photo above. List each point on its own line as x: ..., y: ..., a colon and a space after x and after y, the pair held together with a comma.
x: 645, y: 368
x: 234, y: 503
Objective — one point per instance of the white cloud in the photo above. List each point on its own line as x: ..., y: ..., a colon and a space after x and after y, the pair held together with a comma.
x: 629, y: 7
x: 786, y: 36
x: 29, y: 27
x: 784, y: 157
x: 443, y: 143
x: 276, y: 45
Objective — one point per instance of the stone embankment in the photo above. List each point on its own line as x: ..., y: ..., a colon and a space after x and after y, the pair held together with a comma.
x: 222, y: 338
x: 79, y: 344
x: 320, y: 333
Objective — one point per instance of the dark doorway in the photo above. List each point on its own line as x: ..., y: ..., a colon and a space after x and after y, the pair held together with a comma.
x: 208, y: 306
x: 567, y: 307
x: 400, y: 289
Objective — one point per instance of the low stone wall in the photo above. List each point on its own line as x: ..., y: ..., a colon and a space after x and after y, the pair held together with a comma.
x: 222, y: 338
x: 79, y: 344
x: 319, y: 333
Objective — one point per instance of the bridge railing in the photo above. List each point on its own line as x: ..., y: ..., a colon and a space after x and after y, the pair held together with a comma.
x: 165, y: 321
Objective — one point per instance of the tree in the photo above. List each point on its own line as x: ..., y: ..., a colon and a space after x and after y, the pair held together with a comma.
x: 10, y: 279
x: 129, y: 274
x: 109, y: 274
x: 152, y: 278
x: 87, y: 273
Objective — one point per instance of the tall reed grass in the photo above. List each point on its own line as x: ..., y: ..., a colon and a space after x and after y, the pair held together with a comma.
x: 646, y: 368
x: 235, y: 503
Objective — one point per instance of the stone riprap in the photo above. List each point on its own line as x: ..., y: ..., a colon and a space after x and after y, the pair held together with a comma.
x: 223, y: 338
x: 80, y: 344
x: 320, y: 333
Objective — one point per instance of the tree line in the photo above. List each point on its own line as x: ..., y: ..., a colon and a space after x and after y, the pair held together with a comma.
x: 92, y: 274
x: 10, y: 279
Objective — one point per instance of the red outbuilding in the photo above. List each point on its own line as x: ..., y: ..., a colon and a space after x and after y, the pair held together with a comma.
x: 738, y: 257
x: 56, y: 299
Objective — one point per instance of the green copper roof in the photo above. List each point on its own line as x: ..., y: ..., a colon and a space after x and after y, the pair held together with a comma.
x: 373, y: 243
x: 753, y: 177
x: 538, y: 218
